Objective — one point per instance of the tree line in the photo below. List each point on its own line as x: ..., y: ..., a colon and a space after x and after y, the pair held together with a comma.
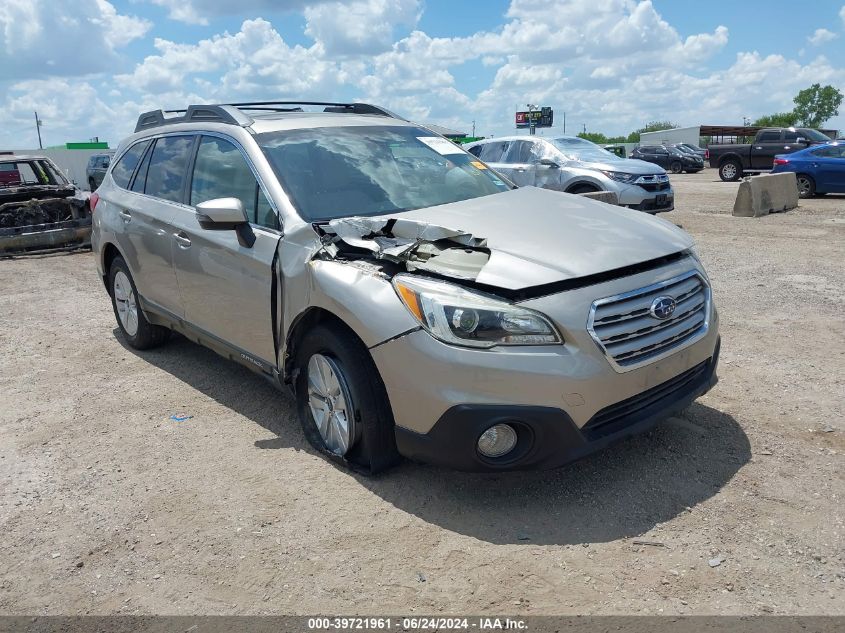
x: 813, y: 107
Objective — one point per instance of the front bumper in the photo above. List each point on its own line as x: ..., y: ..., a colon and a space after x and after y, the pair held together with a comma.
x: 547, y: 436
x: 640, y: 199
x: 34, y: 239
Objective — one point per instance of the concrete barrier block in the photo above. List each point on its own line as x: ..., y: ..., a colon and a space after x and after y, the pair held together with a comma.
x: 609, y: 197
x: 769, y: 193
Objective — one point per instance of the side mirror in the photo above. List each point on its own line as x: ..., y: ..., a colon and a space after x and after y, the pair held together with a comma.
x: 548, y: 162
x: 223, y: 214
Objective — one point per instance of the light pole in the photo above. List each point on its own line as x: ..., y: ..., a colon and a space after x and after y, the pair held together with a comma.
x: 532, y: 130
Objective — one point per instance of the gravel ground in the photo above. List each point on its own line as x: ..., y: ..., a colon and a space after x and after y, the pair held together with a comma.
x: 109, y: 506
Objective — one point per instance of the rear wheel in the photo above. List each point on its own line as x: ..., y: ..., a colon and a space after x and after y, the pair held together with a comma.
x: 675, y: 167
x: 806, y: 186
x: 730, y: 171
x: 138, y: 332
x: 341, y: 400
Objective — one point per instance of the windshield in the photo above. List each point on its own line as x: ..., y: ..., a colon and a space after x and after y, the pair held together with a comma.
x: 338, y: 172
x: 815, y: 135
x: 583, y: 150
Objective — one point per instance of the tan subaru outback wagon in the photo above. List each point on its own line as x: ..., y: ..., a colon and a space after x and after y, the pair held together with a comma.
x: 416, y: 302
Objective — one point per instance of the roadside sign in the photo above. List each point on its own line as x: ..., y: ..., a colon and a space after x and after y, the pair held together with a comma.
x: 544, y: 117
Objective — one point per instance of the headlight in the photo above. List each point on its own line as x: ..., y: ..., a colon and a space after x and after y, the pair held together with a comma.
x: 621, y: 176
x: 458, y: 316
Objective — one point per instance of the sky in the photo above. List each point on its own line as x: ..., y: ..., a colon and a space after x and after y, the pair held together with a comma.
x: 89, y: 67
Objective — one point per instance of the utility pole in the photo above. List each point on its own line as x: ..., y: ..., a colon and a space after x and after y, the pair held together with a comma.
x: 473, y: 128
x: 585, y: 127
x: 38, y: 129
x: 564, y: 122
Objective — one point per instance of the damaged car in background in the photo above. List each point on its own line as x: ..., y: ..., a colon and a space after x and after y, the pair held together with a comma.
x: 39, y: 208
x: 415, y: 302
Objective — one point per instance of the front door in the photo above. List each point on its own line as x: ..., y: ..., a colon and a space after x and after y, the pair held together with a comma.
x: 227, y: 287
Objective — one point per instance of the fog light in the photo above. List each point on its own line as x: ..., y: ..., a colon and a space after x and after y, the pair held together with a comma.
x: 496, y: 441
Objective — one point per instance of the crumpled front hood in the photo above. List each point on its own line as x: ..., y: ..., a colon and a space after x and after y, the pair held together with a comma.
x: 537, y: 236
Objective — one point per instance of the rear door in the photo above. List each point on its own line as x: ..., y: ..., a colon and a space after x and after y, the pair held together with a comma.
x: 493, y: 154
x: 150, y: 182
x: 766, y: 146
x: 522, y: 169
x: 657, y: 155
x: 226, y: 286
x: 829, y: 164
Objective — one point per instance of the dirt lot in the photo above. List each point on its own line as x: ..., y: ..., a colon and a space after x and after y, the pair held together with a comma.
x: 109, y: 506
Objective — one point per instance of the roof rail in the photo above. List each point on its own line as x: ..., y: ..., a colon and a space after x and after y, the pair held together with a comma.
x: 234, y: 113
x: 194, y: 113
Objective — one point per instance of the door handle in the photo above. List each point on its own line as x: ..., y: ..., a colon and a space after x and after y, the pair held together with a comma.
x: 182, y: 239
x: 125, y: 215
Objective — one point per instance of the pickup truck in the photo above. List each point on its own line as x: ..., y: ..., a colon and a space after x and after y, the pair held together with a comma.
x: 735, y: 160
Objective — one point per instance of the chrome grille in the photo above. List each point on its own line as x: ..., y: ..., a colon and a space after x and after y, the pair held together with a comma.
x: 630, y: 335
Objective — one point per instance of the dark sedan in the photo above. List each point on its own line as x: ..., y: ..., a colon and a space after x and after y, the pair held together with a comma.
x: 820, y: 169
x: 669, y: 158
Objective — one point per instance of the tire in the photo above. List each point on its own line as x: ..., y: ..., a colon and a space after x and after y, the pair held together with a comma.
x: 730, y: 171
x: 92, y: 186
x: 676, y: 167
x: 371, y: 442
x: 138, y: 332
x: 584, y: 189
x: 806, y: 186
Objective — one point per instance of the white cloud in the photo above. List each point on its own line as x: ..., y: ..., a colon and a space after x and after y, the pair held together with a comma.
x: 612, y: 65
x: 255, y: 60
x: 198, y: 11
x: 842, y: 15
x: 40, y: 38
x: 360, y: 27
x: 820, y: 36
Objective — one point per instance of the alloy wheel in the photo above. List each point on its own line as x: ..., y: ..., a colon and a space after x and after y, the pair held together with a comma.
x: 124, y: 299
x: 330, y: 404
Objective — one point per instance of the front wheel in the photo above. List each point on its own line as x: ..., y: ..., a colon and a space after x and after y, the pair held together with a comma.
x: 138, y: 332
x: 730, y: 171
x: 676, y: 167
x: 584, y: 189
x: 342, y: 402
x: 806, y: 186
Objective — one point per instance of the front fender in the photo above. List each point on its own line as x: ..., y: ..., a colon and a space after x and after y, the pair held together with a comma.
x: 363, y: 299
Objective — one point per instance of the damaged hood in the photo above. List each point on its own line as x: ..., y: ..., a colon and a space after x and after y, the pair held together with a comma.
x: 516, y: 239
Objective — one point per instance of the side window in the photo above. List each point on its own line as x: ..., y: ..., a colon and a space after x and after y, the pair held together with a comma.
x: 493, y: 152
x: 519, y: 152
x: 220, y: 171
x: 771, y: 136
x: 476, y: 151
x: 660, y: 150
x: 122, y: 171
x: 140, y: 181
x: 830, y: 151
x: 790, y: 137
x: 166, y: 173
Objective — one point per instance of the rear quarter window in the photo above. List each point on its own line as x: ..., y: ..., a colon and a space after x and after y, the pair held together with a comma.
x: 122, y: 171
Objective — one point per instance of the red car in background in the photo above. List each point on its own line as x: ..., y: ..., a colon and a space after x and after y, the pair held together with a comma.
x: 9, y: 174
